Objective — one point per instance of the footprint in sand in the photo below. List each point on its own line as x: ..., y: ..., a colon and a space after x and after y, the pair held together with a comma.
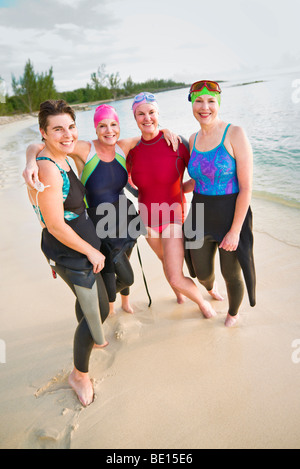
x: 51, y: 438
x: 127, y: 328
x: 58, y: 416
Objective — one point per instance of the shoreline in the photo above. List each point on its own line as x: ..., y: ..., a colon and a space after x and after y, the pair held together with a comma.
x: 18, y: 118
x: 85, y: 106
x: 77, y: 107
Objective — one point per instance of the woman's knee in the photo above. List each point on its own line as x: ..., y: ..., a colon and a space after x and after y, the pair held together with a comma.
x: 204, y: 272
x: 175, y: 280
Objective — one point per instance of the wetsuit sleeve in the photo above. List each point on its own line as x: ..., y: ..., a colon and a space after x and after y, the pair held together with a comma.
x: 130, y: 186
x: 132, y: 190
x: 185, y: 142
x: 129, y: 164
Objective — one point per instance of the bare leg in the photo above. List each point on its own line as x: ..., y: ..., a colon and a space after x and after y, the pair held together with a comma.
x: 126, y: 305
x: 215, y: 293
x: 112, y: 311
x: 173, y: 253
x: 82, y: 385
x: 154, y: 240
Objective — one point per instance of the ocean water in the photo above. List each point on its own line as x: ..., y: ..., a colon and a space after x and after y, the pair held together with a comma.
x: 269, y: 112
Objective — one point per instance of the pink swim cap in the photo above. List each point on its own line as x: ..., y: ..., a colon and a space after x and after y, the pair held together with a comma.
x: 105, y: 112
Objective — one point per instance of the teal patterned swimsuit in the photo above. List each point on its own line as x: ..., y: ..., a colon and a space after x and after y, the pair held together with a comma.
x: 68, y: 214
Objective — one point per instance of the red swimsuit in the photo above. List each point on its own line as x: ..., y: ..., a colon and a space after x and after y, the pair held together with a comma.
x: 157, y: 171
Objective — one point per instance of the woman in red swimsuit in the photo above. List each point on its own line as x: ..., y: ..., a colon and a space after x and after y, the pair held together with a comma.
x: 157, y: 171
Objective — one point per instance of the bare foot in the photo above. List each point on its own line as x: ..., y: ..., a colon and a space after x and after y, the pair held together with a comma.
x: 101, y: 346
x: 126, y: 305
x: 82, y: 385
x: 112, y: 311
x: 214, y: 293
x: 231, y: 320
x: 180, y: 298
x: 207, y: 310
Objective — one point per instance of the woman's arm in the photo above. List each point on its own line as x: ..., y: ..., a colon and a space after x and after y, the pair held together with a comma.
x: 244, y: 161
x: 51, y: 205
x: 171, y: 138
x: 188, y: 186
x: 31, y: 172
x: 128, y: 144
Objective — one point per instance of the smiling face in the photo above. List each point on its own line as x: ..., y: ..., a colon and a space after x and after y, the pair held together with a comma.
x: 108, y: 131
x: 146, y: 116
x: 205, y: 109
x: 61, y: 134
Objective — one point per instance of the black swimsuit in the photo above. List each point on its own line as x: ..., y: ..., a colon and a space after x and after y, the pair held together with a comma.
x: 75, y: 269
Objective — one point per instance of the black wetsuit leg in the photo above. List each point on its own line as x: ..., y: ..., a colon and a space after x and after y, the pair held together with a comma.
x: 203, y: 264
x: 125, y: 275
x: 232, y: 273
x: 83, y: 338
x: 118, y: 275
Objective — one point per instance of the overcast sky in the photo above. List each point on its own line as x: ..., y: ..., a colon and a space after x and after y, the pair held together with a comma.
x: 183, y: 40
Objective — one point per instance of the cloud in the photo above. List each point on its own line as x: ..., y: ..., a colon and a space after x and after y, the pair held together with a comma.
x: 70, y: 3
x: 69, y: 35
x: 167, y: 39
x: 26, y: 14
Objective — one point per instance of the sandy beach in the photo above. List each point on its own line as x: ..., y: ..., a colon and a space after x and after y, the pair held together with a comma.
x: 169, y: 378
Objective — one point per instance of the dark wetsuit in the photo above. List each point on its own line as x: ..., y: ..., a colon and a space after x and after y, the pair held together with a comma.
x: 111, y: 213
x: 217, y: 189
x: 74, y: 268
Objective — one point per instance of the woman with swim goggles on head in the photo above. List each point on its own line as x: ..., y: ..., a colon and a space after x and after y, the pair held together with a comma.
x: 157, y: 171
x: 221, y: 167
x: 101, y: 164
x: 69, y: 239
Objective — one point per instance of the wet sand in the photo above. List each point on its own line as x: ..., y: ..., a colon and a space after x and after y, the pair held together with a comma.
x: 169, y: 378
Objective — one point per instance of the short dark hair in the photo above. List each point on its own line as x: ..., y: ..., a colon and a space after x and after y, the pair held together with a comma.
x: 53, y: 108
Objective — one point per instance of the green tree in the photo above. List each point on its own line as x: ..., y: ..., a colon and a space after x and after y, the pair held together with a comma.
x: 114, y: 83
x: 33, y: 88
x: 129, y: 86
x: 45, y: 87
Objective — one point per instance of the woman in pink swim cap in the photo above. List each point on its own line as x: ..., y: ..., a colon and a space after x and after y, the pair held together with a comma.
x: 105, y: 112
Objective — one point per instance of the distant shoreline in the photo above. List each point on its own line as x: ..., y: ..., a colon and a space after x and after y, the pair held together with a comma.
x: 87, y: 105
x: 79, y: 106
